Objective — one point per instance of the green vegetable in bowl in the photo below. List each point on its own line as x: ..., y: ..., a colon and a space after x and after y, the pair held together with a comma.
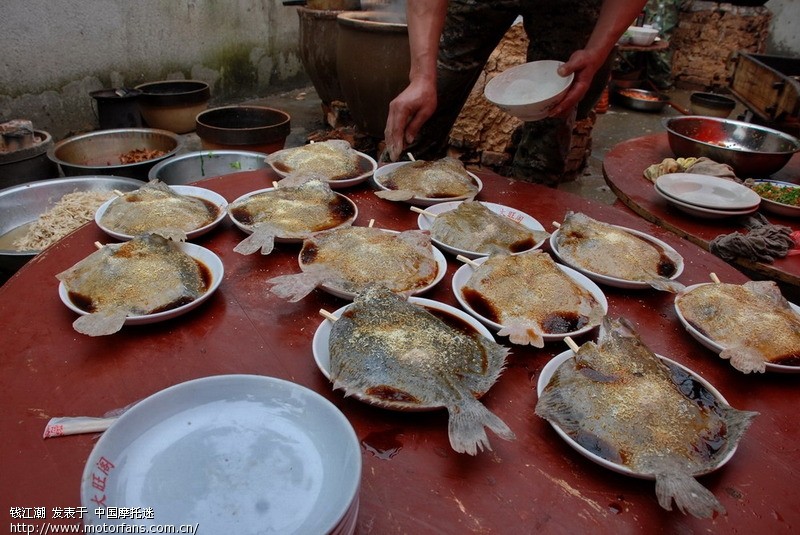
x: 782, y: 194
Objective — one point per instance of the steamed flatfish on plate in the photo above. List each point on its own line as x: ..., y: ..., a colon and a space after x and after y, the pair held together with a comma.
x: 611, y: 251
x: 621, y: 402
x: 145, y: 275
x: 474, y: 227
x: 389, y: 349
x: 294, y: 212
x: 437, y: 179
x: 334, y: 159
x: 351, y: 258
x: 753, y: 322
x: 530, y: 296
x: 157, y: 208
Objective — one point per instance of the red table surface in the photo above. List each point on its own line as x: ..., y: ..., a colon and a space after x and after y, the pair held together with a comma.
x: 412, y: 481
x: 623, y: 167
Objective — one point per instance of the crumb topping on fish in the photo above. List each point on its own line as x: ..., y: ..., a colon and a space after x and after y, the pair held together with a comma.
x: 608, y: 250
x: 395, y: 351
x: 474, y: 227
x: 529, y: 295
x: 334, y: 159
x: 617, y: 399
x: 145, y: 275
x: 438, y: 179
x: 753, y: 322
x: 294, y: 212
x: 351, y: 258
x: 156, y: 208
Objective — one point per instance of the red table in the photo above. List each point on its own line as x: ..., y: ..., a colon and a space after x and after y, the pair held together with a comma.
x: 623, y: 167
x: 412, y: 481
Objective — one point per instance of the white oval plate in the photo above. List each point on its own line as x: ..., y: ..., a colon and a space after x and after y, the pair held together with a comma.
x: 383, y: 170
x: 614, y: 281
x: 547, y: 373
x: 699, y: 211
x: 462, y: 275
x: 322, y: 356
x: 717, y: 348
x: 190, y: 191
x: 366, y: 164
x: 425, y: 222
x: 441, y: 266
x: 248, y: 230
x: 204, y: 256
x: 239, y: 454
x: 708, y: 191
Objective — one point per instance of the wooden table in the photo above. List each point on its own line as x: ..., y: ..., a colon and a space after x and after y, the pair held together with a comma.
x: 623, y: 167
x: 412, y: 481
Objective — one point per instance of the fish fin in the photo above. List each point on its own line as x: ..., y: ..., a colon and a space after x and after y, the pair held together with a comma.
x: 262, y: 238
x: 101, y: 323
x: 296, y: 286
x: 395, y: 195
x: 744, y: 359
x: 466, y: 426
x: 173, y: 234
x: 522, y: 333
x: 690, y: 496
x: 667, y: 285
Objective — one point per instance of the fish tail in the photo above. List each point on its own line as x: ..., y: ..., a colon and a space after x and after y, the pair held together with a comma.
x: 667, y: 285
x: 745, y: 360
x: 690, y: 496
x: 522, y: 333
x: 255, y: 241
x: 100, y: 324
x: 395, y: 195
x: 466, y: 427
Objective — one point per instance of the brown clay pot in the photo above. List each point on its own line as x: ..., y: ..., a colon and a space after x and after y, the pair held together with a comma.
x: 248, y: 128
x: 372, y: 61
x: 318, y: 35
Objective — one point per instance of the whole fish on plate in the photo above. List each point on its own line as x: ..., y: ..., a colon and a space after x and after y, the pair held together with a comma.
x: 294, y: 212
x: 157, y: 208
x: 530, y: 296
x: 753, y: 322
x: 438, y: 179
x: 334, y: 159
x: 474, y: 227
x: 145, y: 275
x: 351, y: 258
x: 619, y: 401
x: 389, y: 349
x: 608, y: 250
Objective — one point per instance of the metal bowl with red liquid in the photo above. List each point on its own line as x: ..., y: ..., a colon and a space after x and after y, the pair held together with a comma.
x: 750, y: 149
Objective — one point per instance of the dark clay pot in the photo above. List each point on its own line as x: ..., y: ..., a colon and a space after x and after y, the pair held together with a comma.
x: 249, y: 128
x: 372, y: 62
x: 318, y: 35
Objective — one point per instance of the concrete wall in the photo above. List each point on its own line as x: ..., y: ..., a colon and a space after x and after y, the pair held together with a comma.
x: 56, y: 53
x: 784, y: 38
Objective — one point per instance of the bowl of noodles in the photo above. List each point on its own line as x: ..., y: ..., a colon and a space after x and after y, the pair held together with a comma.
x: 37, y: 214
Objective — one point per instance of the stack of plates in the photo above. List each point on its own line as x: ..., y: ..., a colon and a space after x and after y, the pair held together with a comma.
x: 707, y: 196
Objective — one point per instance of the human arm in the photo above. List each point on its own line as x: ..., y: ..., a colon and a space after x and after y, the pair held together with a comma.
x: 615, y: 17
x: 417, y: 102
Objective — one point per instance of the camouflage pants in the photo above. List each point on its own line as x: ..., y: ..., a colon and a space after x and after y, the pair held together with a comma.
x: 473, y: 29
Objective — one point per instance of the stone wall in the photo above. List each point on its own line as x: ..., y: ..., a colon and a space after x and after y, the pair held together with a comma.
x: 708, y: 33
x: 483, y: 136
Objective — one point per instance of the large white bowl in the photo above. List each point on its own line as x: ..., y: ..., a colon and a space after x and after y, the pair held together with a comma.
x: 528, y: 91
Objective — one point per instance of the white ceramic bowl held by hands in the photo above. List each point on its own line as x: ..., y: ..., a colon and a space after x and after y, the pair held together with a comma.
x: 528, y: 91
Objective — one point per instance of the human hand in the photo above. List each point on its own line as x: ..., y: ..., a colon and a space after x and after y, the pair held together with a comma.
x: 407, y: 113
x: 583, y: 64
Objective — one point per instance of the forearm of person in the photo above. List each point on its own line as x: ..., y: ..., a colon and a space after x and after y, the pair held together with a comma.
x: 615, y: 17
x: 425, y: 23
